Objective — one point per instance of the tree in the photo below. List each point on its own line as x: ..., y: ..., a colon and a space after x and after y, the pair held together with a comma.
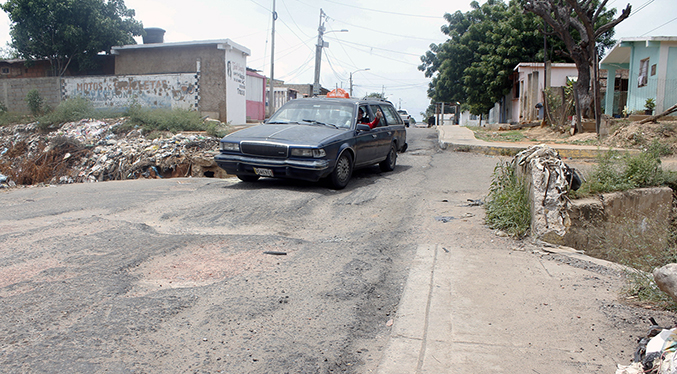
x: 580, y: 24
x: 376, y: 95
x: 475, y: 64
x: 64, y: 31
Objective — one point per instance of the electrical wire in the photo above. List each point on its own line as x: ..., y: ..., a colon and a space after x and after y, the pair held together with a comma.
x: 641, y: 7
x: 384, y: 11
x: 383, y: 49
x: 387, y: 33
x: 292, y: 18
x: 390, y: 58
x: 672, y: 20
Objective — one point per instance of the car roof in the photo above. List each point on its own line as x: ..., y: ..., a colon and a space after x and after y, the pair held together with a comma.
x: 347, y: 100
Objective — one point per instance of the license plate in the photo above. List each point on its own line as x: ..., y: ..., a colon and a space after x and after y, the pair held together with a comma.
x: 263, y: 172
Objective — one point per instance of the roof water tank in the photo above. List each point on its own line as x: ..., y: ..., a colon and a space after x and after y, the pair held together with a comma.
x: 154, y: 35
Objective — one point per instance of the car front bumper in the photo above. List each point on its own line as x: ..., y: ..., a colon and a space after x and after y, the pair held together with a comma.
x: 311, y: 169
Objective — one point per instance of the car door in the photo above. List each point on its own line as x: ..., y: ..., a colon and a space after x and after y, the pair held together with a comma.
x: 365, y: 142
x: 384, y: 133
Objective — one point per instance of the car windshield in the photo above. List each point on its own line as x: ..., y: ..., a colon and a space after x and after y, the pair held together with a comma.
x: 334, y: 114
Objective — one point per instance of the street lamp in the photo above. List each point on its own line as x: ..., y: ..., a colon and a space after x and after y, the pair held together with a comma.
x: 318, y: 51
x: 351, y: 79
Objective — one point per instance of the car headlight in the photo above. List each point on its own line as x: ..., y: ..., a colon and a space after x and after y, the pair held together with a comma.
x: 308, y: 152
x: 226, y: 146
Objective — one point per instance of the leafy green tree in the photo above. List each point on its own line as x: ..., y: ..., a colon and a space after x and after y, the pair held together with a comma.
x: 485, y: 44
x: 64, y: 31
x: 376, y: 95
x: 586, y: 28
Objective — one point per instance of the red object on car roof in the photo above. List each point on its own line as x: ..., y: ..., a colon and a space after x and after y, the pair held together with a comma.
x: 338, y: 92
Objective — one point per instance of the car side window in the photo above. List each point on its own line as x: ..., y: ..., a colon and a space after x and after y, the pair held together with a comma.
x: 390, y: 115
x: 365, y: 118
x: 374, y: 110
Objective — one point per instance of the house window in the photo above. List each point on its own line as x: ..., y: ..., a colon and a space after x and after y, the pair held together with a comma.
x: 5, y: 70
x: 653, y: 70
x: 643, y: 72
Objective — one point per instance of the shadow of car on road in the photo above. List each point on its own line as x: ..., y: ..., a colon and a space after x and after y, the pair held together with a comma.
x: 361, y: 177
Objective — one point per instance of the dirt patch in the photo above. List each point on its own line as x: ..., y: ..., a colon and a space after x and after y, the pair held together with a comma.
x: 198, y: 266
x: 622, y: 134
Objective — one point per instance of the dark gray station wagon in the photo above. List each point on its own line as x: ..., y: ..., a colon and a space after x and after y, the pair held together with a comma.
x: 315, y: 138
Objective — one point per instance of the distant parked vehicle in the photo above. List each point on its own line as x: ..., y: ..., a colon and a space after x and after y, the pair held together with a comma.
x: 406, y: 118
x: 315, y: 138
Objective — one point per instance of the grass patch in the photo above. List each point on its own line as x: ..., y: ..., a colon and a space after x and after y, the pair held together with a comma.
x: 71, y: 110
x: 156, y: 122
x: 507, y: 206
x: 499, y: 136
x: 616, y: 172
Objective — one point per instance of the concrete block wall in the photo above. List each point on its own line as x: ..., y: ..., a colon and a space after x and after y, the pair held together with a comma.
x: 597, y: 221
x: 13, y: 92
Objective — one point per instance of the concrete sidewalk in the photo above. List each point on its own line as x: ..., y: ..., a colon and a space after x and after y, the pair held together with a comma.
x: 461, y: 138
x: 478, y: 303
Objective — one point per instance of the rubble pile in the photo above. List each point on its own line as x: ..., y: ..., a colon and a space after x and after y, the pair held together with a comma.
x: 94, y: 150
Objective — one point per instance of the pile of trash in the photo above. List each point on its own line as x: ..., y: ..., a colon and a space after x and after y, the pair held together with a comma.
x: 92, y: 151
x: 656, y: 353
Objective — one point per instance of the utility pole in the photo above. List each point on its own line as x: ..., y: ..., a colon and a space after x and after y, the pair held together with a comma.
x: 318, y: 53
x: 271, y: 99
x: 351, y: 79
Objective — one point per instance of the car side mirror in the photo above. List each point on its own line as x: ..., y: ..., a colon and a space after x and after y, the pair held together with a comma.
x: 363, y: 127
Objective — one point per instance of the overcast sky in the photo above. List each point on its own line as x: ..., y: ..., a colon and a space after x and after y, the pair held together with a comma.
x: 388, y: 37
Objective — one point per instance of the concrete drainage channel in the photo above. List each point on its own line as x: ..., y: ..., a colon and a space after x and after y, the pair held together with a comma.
x: 587, y: 224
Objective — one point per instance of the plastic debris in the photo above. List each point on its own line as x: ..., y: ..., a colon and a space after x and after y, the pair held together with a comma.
x: 91, y: 151
x: 656, y: 353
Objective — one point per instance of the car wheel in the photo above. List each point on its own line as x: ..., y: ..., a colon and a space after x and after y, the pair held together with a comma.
x: 248, y: 178
x: 342, y: 172
x: 389, y: 163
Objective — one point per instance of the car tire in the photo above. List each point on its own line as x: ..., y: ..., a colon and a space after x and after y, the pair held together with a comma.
x: 342, y: 172
x: 391, y: 160
x: 248, y: 178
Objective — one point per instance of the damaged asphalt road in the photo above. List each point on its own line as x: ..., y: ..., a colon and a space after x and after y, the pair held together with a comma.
x: 187, y: 275
x: 177, y: 276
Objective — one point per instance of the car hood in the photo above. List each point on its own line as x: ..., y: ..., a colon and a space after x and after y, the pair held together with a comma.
x: 290, y: 134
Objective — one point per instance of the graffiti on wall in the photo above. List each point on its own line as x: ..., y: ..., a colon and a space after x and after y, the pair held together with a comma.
x: 238, y: 73
x: 175, y: 91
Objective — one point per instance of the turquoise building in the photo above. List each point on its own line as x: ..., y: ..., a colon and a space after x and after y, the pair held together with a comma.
x: 639, y: 69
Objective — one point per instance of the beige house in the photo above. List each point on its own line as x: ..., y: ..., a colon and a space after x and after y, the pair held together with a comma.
x: 219, y: 66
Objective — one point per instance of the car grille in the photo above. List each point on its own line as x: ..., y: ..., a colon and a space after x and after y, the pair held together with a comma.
x: 264, y: 149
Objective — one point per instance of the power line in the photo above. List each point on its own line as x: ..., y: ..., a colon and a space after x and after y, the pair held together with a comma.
x: 384, y: 11
x: 292, y: 19
x: 672, y: 20
x: 388, y: 57
x: 641, y: 7
x: 387, y: 33
x: 383, y: 49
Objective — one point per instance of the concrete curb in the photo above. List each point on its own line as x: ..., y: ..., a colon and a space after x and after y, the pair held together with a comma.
x: 462, y: 139
x: 405, y: 349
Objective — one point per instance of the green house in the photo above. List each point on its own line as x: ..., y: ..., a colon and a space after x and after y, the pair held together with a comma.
x: 639, y: 69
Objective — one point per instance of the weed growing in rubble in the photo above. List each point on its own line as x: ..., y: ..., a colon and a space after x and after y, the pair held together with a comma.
x: 507, y: 206
x: 71, y: 110
x: 172, y: 120
x: 615, y: 172
x: 34, y: 101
